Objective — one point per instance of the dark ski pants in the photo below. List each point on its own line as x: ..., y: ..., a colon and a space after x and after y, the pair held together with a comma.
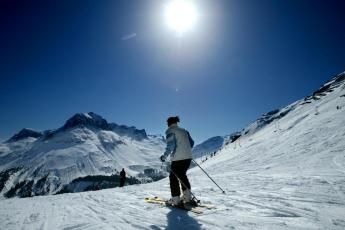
x: 122, y: 182
x: 178, y: 172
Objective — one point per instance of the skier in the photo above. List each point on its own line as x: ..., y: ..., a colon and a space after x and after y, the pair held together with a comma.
x: 179, y: 145
x: 122, y: 177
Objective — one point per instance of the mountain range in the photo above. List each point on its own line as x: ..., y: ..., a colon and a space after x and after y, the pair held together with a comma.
x: 285, y: 170
x: 87, y: 152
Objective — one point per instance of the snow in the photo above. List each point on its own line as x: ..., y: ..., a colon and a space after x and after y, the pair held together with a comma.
x: 87, y: 115
x: 287, y: 174
x: 79, y: 151
x: 209, y: 146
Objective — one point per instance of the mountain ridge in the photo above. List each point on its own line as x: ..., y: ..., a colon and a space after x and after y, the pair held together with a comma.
x: 84, y: 148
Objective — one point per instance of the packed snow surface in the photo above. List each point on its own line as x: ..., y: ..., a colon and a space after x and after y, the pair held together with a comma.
x: 288, y: 174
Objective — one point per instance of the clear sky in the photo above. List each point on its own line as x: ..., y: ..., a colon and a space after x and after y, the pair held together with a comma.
x: 118, y: 59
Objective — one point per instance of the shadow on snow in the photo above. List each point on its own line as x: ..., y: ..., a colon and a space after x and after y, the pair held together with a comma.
x: 180, y: 219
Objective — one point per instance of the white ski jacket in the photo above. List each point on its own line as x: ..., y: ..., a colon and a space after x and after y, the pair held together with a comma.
x: 179, y: 143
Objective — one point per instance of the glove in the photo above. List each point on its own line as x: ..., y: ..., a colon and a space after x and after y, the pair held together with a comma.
x: 162, y: 158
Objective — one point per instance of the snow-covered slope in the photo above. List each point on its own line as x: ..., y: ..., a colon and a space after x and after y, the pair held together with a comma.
x: 85, y: 146
x: 288, y: 172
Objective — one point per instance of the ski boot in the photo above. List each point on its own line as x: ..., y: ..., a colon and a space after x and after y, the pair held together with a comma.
x: 175, y: 201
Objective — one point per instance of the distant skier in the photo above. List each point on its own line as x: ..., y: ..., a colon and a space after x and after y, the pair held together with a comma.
x: 179, y: 145
x: 122, y: 177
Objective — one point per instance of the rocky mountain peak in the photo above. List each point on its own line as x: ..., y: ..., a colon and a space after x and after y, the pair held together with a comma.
x: 86, y: 119
x: 24, y: 133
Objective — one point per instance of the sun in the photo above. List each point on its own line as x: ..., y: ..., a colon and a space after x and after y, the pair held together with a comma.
x: 180, y: 15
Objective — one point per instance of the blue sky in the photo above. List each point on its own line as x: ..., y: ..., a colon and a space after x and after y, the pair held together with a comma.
x: 119, y: 59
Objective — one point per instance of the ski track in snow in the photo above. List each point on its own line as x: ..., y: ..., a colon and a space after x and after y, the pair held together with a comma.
x: 285, y: 176
x: 252, y: 201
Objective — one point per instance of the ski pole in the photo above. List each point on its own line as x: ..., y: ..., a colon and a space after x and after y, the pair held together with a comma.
x: 194, y: 197
x: 208, y: 175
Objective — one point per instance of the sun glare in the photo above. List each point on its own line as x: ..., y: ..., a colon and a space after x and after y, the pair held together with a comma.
x: 180, y: 15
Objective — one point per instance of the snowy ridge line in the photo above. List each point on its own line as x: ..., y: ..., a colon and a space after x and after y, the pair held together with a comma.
x: 275, y: 115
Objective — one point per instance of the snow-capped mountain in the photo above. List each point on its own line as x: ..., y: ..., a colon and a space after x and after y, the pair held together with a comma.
x: 314, y: 120
x: 25, y: 133
x: 209, y: 146
x: 74, y: 156
x: 213, y: 144
x: 286, y: 170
